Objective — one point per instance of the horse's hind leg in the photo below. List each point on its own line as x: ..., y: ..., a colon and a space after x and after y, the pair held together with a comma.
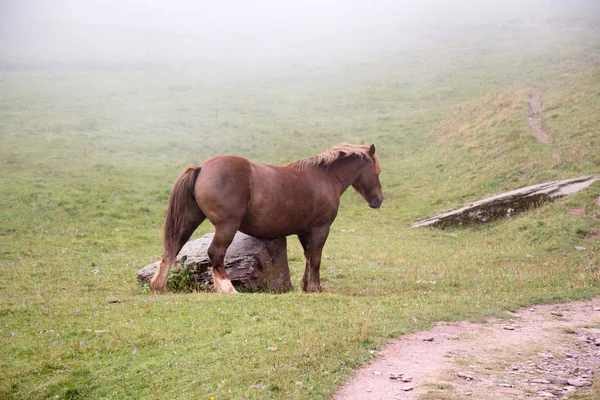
x: 224, y: 234
x: 175, y: 237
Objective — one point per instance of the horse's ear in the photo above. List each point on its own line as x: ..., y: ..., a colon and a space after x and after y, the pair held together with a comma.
x: 372, y: 149
x: 362, y: 142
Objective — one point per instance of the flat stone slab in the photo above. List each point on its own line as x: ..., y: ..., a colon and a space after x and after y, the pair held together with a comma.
x: 252, y: 263
x: 508, y: 203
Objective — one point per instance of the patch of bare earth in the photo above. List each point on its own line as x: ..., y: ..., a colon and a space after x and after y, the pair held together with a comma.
x: 535, y: 117
x: 543, y: 352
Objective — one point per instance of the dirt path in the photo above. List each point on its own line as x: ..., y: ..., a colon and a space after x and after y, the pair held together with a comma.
x: 545, y: 351
x: 535, y: 117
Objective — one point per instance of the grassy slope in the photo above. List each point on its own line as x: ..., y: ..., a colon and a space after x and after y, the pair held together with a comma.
x: 88, y: 160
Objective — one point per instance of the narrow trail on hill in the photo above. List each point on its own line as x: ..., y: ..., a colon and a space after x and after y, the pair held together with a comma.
x: 547, y: 351
x: 535, y: 117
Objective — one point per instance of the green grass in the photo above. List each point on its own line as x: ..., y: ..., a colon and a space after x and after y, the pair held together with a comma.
x: 88, y: 160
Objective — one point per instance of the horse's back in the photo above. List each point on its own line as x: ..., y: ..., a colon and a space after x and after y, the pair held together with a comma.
x: 268, y: 201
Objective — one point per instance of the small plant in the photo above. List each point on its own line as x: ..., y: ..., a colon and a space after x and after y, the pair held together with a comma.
x: 179, y: 280
x: 145, y: 289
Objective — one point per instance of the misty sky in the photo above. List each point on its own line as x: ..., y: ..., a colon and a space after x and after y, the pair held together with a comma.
x: 186, y: 29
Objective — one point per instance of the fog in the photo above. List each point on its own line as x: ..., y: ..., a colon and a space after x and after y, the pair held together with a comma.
x: 243, y: 32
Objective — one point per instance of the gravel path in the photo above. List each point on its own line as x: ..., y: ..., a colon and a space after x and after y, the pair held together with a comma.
x: 547, y: 351
x: 535, y: 118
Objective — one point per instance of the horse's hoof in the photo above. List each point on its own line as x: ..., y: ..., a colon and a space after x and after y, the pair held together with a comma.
x: 158, y: 288
x: 225, y: 288
x: 227, y: 291
x: 312, y: 289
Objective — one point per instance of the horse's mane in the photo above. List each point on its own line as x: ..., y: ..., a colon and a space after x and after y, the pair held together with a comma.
x: 326, y: 158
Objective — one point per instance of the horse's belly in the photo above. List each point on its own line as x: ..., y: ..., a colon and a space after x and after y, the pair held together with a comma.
x: 265, y: 233
x: 273, y: 223
x: 270, y: 228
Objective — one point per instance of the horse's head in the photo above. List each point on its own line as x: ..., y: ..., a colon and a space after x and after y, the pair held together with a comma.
x: 367, y: 181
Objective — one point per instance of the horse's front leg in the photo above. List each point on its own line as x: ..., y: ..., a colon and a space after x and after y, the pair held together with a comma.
x: 216, y: 252
x: 312, y: 243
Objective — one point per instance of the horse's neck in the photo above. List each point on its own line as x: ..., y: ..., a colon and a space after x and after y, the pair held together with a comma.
x: 345, y: 170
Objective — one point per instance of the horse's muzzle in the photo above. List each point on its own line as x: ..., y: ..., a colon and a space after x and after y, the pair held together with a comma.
x: 376, y: 203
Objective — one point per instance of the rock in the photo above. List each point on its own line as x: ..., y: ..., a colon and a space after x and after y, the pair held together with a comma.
x: 407, y: 388
x: 540, y: 381
x: 546, y: 395
x: 428, y: 339
x: 558, y: 380
x: 465, y: 375
x: 569, y: 389
x: 576, y: 371
x: 553, y: 388
x: 376, y: 373
x: 593, y: 233
x: 579, y: 248
x: 545, y: 355
x: 508, y: 203
x: 395, y: 376
x: 556, y: 313
x: 577, y: 212
x: 252, y: 263
x: 506, y: 385
x: 509, y: 328
x: 577, y: 382
x: 590, y: 339
x: 406, y: 378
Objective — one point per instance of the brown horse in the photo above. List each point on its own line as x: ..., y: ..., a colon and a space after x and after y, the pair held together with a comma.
x: 301, y: 198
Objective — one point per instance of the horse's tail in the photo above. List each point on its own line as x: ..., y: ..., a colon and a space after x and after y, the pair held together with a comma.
x: 182, y: 218
x: 176, y: 219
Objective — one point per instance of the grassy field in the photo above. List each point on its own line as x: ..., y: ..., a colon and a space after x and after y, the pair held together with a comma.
x: 88, y: 159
